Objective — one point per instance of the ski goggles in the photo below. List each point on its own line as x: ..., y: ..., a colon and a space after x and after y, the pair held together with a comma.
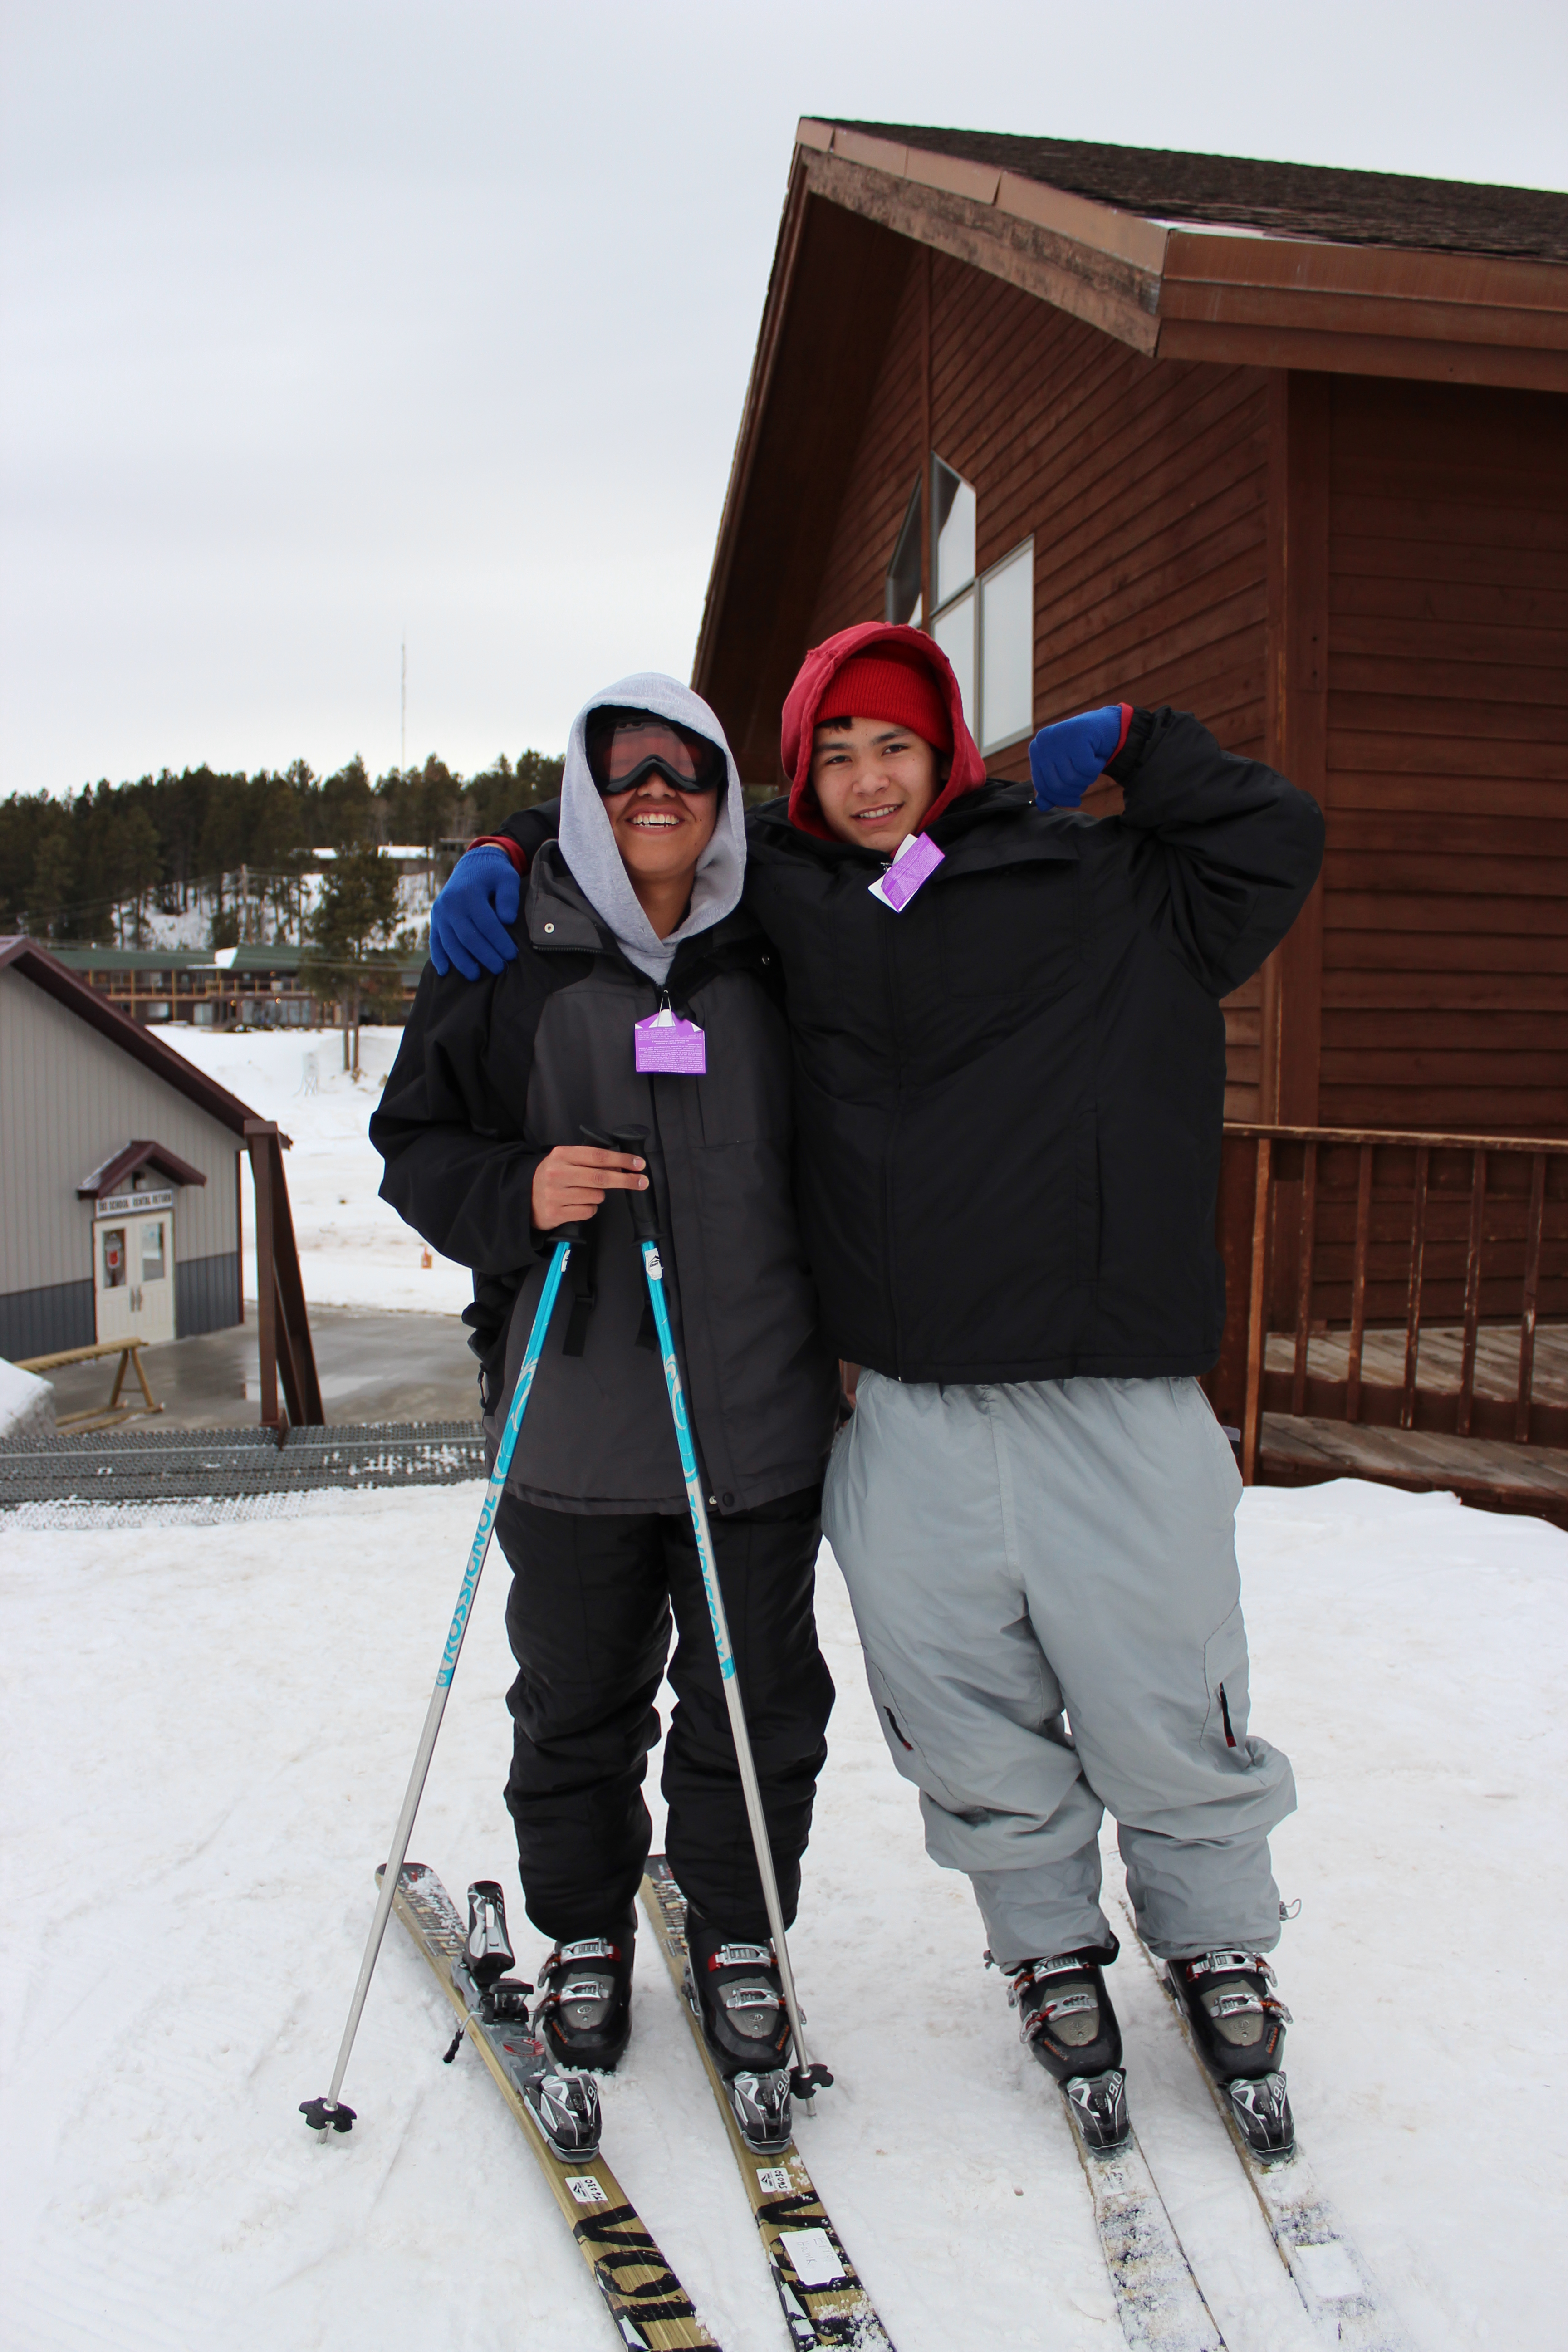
x: 626, y: 746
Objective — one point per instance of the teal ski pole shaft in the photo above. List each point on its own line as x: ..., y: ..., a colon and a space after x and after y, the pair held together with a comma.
x: 320, y: 2114
x: 806, y: 2079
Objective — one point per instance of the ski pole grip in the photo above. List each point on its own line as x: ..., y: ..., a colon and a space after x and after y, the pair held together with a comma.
x: 644, y: 1209
x: 631, y: 1140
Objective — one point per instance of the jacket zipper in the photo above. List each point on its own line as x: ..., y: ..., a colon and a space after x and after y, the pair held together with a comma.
x: 888, y: 1194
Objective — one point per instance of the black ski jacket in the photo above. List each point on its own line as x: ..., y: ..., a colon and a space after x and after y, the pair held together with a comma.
x: 489, y: 1077
x: 1009, y: 1096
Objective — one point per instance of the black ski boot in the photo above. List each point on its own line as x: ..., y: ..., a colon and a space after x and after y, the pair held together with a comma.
x: 1067, y: 2022
x: 1238, y: 2031
x: 583, y: 2013
x: 735, y: 1990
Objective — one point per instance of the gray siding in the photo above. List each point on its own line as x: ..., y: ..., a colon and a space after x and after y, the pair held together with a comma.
x: 69, y: 1097
x: 206, y: 1293
x: 38, y: 1322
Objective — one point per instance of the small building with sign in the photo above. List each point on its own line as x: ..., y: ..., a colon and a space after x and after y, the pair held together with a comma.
x: 119, y: 1172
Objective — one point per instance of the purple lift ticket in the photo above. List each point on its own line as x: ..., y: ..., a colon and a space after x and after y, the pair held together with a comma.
x: 916, y: 861
x: 671, y: 1047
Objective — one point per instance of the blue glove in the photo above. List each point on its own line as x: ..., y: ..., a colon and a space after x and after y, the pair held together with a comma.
x: 1065, y: 759
x: 471, y: 920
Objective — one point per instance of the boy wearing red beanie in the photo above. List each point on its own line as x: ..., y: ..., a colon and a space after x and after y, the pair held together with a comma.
x: 1009, y: 1065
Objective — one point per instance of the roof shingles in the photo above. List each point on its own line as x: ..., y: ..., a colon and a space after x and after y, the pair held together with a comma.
x: 1284, y: 199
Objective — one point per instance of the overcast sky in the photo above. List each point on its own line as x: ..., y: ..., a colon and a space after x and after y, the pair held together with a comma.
x: 327, y: 325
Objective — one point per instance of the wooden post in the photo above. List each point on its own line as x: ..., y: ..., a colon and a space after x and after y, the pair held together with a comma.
x: 282, y: 1315
x: 1418, y: 1268
x: 1358, y: 1284
x: 1472, y: 1288
x: 1297, y: 699
x: 1304, y: 1278
x: 257, y: 1131
x: 1257, y: 1317
x: 1531, y: 1293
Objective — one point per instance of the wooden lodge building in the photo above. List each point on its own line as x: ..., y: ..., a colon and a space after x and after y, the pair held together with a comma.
x: 1287, y: 448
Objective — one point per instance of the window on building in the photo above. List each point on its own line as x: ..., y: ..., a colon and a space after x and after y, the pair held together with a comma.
x: 1007, y: 649
x: 953, y: 527
x: 904, y: 585
x: 985, y: 626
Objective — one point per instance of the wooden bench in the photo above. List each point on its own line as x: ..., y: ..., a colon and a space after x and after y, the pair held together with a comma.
x: 101, y: 1416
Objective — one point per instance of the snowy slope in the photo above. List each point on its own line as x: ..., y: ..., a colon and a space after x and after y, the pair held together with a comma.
x: 207, y: 1732
x: 354, y: 1250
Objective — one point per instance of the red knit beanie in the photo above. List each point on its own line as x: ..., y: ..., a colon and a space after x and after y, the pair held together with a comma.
x: 884, y: 684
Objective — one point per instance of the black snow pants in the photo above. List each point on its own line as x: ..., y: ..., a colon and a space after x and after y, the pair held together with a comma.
x: 589, y: 1619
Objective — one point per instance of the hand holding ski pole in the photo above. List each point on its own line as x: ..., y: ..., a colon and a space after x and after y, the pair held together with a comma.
x: 570, y: 1182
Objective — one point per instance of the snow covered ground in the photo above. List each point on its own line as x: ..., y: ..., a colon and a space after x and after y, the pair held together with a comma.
x: 207, y: 1732
x: 354, y: 1250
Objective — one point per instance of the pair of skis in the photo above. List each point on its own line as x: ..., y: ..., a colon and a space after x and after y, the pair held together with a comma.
x: 1159, y: 2300
x: 820, y: 2291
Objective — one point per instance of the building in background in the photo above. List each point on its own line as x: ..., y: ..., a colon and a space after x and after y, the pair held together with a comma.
x: 223, y: 988
x: 1284, y: 446
x: 120, y: 1181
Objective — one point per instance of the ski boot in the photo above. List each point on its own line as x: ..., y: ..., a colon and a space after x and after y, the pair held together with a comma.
x: 583, y: 2014
x: 738, y: 2000
x: 1238, y: 2031
x: 1068, y: 2024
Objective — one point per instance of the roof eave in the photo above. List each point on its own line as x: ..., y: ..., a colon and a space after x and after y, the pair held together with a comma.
x: 1227, y: 294
x: 36, y: 963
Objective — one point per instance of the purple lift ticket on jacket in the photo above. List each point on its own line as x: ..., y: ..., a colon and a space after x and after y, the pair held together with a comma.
x: 671, y: 1047
x: 916, y: 861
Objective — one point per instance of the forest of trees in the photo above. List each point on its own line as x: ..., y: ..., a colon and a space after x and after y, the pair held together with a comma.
x: 89, y: 869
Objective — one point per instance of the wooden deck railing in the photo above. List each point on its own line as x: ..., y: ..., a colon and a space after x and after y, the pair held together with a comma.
x: 283, y: 1325
x: 1333, y: 1235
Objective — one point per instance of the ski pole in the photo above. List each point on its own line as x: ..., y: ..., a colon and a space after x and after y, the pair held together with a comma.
x: 320, y: 2114
x: 806, y: 2079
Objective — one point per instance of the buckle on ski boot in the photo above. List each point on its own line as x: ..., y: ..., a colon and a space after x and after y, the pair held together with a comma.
x: 1065, y: 2019
x: 1238, y: 2021
x: 584, y: 2010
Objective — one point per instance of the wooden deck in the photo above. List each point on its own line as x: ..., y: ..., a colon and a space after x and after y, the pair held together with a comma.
x: 1298, y: 1451
x: 1438, y: 1359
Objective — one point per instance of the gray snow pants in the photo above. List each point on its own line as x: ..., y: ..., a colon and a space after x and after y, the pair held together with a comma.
x: 1016, y: 1551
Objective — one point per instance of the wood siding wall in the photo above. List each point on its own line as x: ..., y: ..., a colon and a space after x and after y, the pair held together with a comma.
x: 1445, y: 985
x: 1146, y: 486
x: 67, y: 1099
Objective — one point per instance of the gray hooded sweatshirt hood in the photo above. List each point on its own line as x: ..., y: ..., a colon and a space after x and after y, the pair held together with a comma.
x: 588, y: 841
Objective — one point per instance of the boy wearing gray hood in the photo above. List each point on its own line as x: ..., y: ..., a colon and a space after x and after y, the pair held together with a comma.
x: 630, y: 918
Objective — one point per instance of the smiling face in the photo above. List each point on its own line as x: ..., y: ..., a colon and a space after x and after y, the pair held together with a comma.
x: 661, y: 833
x: 874, y: 782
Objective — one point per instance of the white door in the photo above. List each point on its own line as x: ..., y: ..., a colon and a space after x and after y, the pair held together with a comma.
x: 133, y: 1277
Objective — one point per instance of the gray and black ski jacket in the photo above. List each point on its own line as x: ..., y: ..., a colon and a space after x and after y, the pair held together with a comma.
x: 491, y: 1075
